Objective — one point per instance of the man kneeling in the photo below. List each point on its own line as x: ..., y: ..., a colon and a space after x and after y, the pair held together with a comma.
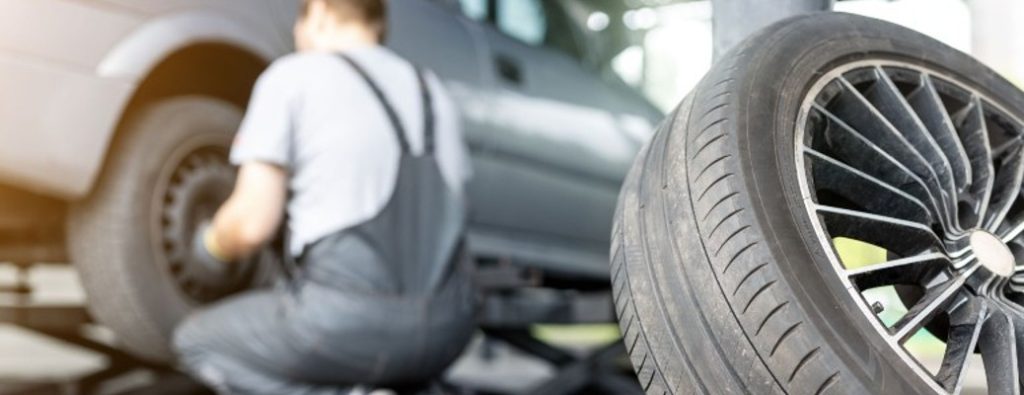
x: 362, y: 150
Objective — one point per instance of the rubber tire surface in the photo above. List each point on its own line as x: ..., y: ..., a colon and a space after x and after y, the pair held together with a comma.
x: 109, y: 233
x: 720, y: 284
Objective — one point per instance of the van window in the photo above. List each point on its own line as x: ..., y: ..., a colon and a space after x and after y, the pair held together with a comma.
x: 474, y: 9
x: 523, y: 19
x: 539, y: 23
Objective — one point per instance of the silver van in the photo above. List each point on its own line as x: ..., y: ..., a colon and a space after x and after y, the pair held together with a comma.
x: 116, y: 117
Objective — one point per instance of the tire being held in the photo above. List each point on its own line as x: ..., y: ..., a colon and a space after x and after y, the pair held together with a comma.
x: 725, y: 275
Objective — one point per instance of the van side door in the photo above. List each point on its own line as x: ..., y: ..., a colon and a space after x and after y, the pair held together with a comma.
x: 562, y: 138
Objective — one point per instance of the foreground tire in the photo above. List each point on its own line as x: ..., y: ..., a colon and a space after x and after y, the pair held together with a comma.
x: 129, y: 238
x: 820, y: 129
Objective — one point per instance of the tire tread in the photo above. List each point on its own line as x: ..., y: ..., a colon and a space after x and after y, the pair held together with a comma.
x: 760, y: 306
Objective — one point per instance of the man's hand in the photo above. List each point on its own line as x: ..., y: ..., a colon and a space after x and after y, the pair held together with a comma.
x: 206, y: 252
x: 252, y: 215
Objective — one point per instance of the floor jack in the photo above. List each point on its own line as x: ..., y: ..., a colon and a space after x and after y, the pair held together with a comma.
x: 516, y: 298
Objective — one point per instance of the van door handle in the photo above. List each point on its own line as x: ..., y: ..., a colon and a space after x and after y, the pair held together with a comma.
x: 509, y: 70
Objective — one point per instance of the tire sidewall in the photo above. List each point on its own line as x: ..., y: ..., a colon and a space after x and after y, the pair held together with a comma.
x: 111, y: 233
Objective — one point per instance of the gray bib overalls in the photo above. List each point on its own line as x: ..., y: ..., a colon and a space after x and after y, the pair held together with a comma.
x: 384, y: 303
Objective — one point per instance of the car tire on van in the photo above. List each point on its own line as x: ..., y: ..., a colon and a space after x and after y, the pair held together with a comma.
x: 130, y: 238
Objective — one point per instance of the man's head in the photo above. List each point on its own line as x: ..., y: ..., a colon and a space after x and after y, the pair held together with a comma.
x: 333, y: 25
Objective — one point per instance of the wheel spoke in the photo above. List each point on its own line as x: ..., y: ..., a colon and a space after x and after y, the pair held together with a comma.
x: 998, y: 345
x: 1018, y: 327
x: 856, y: 150
x: 1007, y: 186
x: 1006, y: 146
x: 926, y: 102
x: 935, y: 301
x: 900, y: 271
x: 964, y: 330
x: 974, y: 134
x: 1016, y: 314
x: 1018, y: 275
x: 858, y: 112
x: 853, y: 185
x: 899, y: 236
x: 1010, y: 234
x: 889, y: 102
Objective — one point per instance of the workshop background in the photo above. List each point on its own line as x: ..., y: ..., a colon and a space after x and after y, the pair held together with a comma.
x: 660, y: 47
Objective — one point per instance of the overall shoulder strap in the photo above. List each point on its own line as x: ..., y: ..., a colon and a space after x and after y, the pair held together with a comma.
x: 429, y: 119
x: 396, y: 123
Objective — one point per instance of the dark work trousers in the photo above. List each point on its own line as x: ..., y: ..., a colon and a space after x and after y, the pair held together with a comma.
x: 310, y: 337
x: 386, y: 303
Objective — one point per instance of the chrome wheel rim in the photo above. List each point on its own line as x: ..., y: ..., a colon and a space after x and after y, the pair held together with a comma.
x: 927, y: 170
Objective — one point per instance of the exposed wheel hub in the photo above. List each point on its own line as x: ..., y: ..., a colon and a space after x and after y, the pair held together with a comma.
x: 993, y: 254
x: 199, y: 183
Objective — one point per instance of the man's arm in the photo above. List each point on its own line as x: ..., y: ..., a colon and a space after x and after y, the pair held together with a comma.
x: 252, y: 215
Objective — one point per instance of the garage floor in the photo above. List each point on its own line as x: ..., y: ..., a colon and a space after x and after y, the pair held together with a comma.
x: 26, y: 357
x: 29, y: 358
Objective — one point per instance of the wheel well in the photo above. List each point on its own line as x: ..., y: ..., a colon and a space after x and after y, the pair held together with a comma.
x: 34, y: 231
x: 208, y: 69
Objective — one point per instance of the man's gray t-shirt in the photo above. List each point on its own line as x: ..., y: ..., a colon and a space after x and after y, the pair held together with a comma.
x: 314, y: 116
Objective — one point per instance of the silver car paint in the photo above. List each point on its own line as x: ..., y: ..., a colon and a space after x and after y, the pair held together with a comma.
x: 549, y: 152
x: 68, y: 68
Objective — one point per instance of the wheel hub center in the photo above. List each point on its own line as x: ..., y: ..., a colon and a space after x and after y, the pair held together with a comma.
x: 993, y: 254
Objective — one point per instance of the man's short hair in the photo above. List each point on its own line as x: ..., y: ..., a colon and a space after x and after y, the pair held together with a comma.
x: 372, y: 13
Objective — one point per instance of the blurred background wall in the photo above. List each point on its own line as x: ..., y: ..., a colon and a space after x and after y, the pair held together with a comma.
x: 998, y: 35
x: 664, y: 47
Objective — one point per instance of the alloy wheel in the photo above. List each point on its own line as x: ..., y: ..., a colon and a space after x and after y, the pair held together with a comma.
x: 920, y: 165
